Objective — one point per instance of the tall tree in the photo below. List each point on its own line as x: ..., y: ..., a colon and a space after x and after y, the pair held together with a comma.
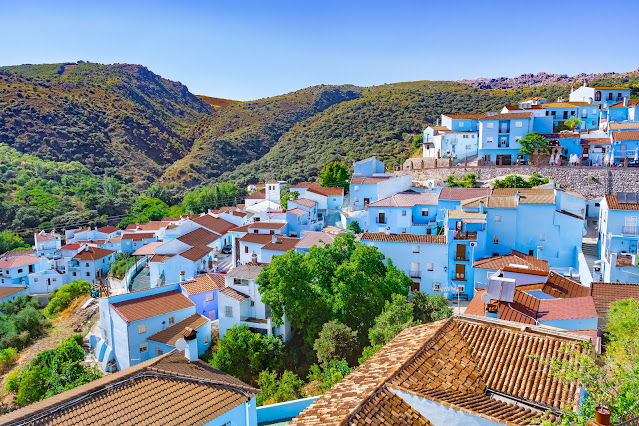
x: 335, y: 174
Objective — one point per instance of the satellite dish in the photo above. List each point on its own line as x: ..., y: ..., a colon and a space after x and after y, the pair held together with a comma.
x: 180, y: 344
x: 486, y: 298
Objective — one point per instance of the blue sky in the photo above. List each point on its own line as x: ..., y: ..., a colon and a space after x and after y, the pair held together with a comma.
x: 252, y: 49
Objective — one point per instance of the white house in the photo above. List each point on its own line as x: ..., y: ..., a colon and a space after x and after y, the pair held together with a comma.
x: 47, y: 243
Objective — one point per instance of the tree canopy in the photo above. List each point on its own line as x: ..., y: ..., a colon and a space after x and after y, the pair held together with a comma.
x: 534, y: 143
x: 335, y: 174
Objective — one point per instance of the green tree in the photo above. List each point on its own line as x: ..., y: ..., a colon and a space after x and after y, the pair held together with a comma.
x: 60, y: 299
x: 427, y: 308
x: 289, y: 196
x: 534, y: 143
x: 335, y: 174
x: 288, y: 387
x: 572, y: 122
x: 11, y: 241
x: 396, y: 316
x: 368, y: 352
x: 336, y: 341
x: 326, y: 377
x: 354, y: 226
x: 21, y: 322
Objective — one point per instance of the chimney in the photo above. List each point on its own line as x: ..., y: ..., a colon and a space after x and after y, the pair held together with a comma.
x: 560, y: 99
x: 387, y: 230
x: 625, y: 101
x: 590, y: 100
x: 182, y: 273
x: 273, y: 238
x: 572, y: 89
x: 190, y: 352
x: 585, y: 83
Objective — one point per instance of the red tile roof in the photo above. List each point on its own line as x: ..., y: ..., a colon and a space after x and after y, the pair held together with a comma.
x: 139, y: 236
x: 515, y: 257
x: 93, y: 253
x: 403, y: 238
x: 233, y: 294
x: 366, y: 180
x: 508, y: 116
x: 140, y: 308
x: 571, y: 308
x: 282, y: 244
x: 407, y: 199
x: 297, y: 211
x: 631, y: 102
x: 595, y: 141
x: 9, y: 291
x: 196, y: 253
x: 267, y: 225
x: 44, y: 236
x: 257, y: 195
x: 161, y: 258
x: 170, y: 335
x: 203, y: 283
x: 613, y: 204
x: 466, y: 116
x: 108, y: 229
x: 458, y: 194
x: 215, y: 224
x: 604, y: 294
x: 630, y: 135
x: 327, y: 192
x: 257, y: 238
x: 198, y: 237
x: 70, y: 246
x: 304, y: 202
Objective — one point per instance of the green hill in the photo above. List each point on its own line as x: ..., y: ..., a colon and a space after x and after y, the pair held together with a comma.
x: 120, y: 115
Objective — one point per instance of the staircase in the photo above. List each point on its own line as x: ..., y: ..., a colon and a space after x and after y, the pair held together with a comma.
x: 591, y: 253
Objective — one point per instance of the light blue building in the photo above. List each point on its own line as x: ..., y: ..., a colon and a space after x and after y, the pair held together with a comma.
x: 15, y: 270
x: 626, y: 110
x: 368, y: 167
x: 202, y: 291
x: 8, y: 293
x: 451, y: 198
x: 135, y: 327
x: 499, y: 135
x: 370, y: 183
x: 424, y: 258
x: 600, y: 95
x: 618, y: 236
x: 405, y: 212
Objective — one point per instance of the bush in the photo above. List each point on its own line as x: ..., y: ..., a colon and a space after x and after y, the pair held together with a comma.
x: 396, y: 316
x: 327, y: 377
x: 62, y: 298
x: 368, y: 352
x: 354, y: 226
x: 336, y: 341
x: 287, y: 388
x: 21, y: 322
x: 122, y: 263
x: 428, y: 308
x: 7, y: 357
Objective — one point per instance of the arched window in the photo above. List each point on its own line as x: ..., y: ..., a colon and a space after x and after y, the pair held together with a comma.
x: 597, y: 96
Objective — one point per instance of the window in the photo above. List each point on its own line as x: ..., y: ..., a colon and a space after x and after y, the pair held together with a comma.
x: 517, y: 138
x: 424, y: 212
x: 623, y: 147
x: 461, y: 288
x: 144, y: 347
x: 619, y: 94
x: 255, y: 231
x: 158, y: 352
x: 495, y: 240
x: 497, y: 218
x: 171, y: 320
x: 596, y: 204
x: 228, y: 311
x: 403, y: 212
x: 206, y: 340
x: 572, y: 112
x: 565, y: 115
x: 86, y: 264
x: 403, y: 230
x: 357, y: 199
x: 594, y: 111
x: 461, y: 124
x: 414, y: 269
x: 209, y: 296
x: 631, y: 220
x: 142, y: 328
x: 415, y: 249
x: 252, y: 303
x: 88, y: 274
x: 272, y: 232
x: 490, y: 125
x: 518, y: 124
x: 356, y: 188
x: 20, y: 271
x: 597, y: 96
x: 610, y: 96
x: 542, y: 237
x: 553, y: 113
x: 489, y: 139
x: 238, y: 281
x: 531, y: 252
x: 465, y: 136
x: 436, y: 286
x: 35, y: 280
x: 245, y: 249
x: 75, y: 274
x: 429, y: 266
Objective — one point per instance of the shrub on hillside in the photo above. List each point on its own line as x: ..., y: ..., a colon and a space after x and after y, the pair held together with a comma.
x: 21, y: 322
x: 63, y: 297
x: 7, y: 357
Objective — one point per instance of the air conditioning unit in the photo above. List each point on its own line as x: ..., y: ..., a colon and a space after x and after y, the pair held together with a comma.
x: 473, y: 244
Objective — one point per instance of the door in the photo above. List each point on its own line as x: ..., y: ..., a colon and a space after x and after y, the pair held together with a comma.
x: 461, y: 251
x: 367, y: 201
x: 414, y: 287
x: 460, y: 271
x: 212, y: 315
x: 382, y: 217
x: 633, y: 247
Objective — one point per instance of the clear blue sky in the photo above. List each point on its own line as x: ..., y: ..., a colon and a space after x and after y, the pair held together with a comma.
x: 251, y: 49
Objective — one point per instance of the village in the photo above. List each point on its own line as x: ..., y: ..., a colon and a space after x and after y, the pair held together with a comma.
x: 524, y: 268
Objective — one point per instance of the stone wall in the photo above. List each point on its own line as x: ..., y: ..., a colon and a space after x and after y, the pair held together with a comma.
x: 589, y: 181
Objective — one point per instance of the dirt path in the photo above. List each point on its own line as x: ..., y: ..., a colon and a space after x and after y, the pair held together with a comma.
x: 71, y: 321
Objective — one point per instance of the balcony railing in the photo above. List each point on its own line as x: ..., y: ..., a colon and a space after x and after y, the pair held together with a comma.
x: 633, y: 230
x: 415, y: 274
x: 466, y: 235
x: 381, y: 222
x: 504, y: 130
x: 461, y: 259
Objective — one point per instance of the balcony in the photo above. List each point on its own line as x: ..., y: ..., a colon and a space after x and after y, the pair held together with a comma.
x: 630, y: 230
x: 625, y: 260
x: 504, y: 130
x: 415, y: 274
x: 465, y: 235
x: 381, y: 222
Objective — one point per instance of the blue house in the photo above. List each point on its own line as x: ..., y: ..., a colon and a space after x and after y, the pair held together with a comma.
x: 618, y: 236
x: 499, y: 134
x: 202, y: 291
x: 625, y: 143
x: 8, y: 293
x: 626, y: 110
x: 600, y: 95
x: 136, y: 327
x: 452, y: 198
x: 424, y: 258
x: 369, y: 167
x: 405, y: 212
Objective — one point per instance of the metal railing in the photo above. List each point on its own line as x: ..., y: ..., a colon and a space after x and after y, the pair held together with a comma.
x: 467, y: 235
x: 415, y: 274
x: 631, y: 422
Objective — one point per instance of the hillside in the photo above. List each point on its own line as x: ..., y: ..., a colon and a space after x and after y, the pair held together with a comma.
x: 119, y: 115
x: 217, y: 103
x: 246, y: 131
x: 375, y: 123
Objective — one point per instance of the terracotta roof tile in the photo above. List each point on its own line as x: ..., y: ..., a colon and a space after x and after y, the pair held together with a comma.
x: 515, y: 257
x: 108, y: 229
x: 257, y: 238
x: 624, y: 126
x: 150, y: 306
x: 614, y: 204
x: 45, y: 236
x: 367, y: 180
x: 24, y: 252
x: 143, y: 394
x: 282, y: 244
x: 171, y: 334
x: 161, y: 258
x: 386, y: 408
x: 196, y: 253
x: 630, y: 135
x: 315, y: 238
x: 458, y: 194
x: 305, y: 185
x: 297, y: 212
x: 202, y: 283
x: 257, y: 195
x: 559, y: 286
x: 18, y: 261
x: 466, y: 116
x: 327, y: 191
x: 198, y: 237
x: 93, y: 253
x: 508, y: 116
x: 303, y: 202
x: 604, y: 294
x: 267, y: 225
x: 246, y: 272
x: 407, y: 199
x: 571, y: 308
x: 233, y: 294
x: 595, y: 141
x: 215, y: 224
x: 8, y: 291
x: 403, y: 238
x: 138, y: 236
x: 631, y: 103
x: 528, y: 195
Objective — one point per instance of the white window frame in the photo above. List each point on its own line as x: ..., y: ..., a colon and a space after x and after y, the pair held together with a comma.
x: 144, y: 347
x: 171, y: 320
x: 430, y: 267
x: 519, y: 124
x: 461, y: 288
x: 424, y: 211
x: 437, y: 287
x: 497, y: 218
x: 228, y: 311
x: 356, y: 188
x: 142, y: 328
x: 415, y: 249
x: 542, y: 237
x: 630, y: 220
x: 209, y: 297
x: 490, y: 125
x: 489, y: 139
x: 461, y: 124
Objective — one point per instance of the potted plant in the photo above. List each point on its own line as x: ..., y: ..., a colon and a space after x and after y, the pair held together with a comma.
x: 602, y: 415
